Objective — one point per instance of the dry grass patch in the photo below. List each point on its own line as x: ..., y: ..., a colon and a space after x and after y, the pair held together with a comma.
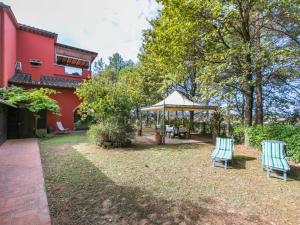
x: 149, y: 184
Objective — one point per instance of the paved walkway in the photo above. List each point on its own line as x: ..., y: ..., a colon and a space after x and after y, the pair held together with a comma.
x: 23, y: 198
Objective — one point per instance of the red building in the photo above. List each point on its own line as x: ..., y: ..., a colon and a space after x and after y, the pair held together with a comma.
x: 32, y: 58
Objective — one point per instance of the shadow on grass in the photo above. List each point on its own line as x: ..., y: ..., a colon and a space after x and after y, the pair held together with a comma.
x: 79, y: 193
x: 239, y: 161
x: 167, y: 147
x: 294, y: 174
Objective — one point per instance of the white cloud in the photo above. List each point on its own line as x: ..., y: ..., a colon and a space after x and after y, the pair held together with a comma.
x: 104, y: 26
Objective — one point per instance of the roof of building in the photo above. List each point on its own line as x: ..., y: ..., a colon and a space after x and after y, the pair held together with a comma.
x: 78, y: 49
x: 36, y: 30
x: 2, y: 5
x: 10, y: 12
x: 45, y: 81
x: 3, y: 102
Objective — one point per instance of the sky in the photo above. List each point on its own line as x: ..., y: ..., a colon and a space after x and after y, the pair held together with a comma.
x: 103, y: 26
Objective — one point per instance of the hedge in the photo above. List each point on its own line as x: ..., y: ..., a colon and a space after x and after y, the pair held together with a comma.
x: 290, y: 134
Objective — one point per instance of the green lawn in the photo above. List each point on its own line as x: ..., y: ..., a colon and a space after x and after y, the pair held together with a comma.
x: 149, y: 184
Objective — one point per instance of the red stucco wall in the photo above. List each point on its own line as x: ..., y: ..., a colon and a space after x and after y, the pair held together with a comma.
x: 68, y: 102
x: 20, y: 45
x: 36, y: 46
x: 8, y: 55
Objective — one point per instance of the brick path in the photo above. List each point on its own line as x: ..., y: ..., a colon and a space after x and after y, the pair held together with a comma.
x: 23, y: 198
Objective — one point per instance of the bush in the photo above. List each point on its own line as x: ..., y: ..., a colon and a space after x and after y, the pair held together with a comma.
x: 238, y: 134
x: 110, y: 134
x: 293, y: 147
x: 290, y: 134
x: 256, y: 134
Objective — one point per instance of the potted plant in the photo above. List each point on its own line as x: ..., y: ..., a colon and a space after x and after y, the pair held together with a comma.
x: 138, y: 128
x: 157, y: 137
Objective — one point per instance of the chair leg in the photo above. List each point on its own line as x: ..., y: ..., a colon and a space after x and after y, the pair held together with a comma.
x: 268, y: 172
x: 213, y: 163
x: 284, y: 175
x: 226, y: 165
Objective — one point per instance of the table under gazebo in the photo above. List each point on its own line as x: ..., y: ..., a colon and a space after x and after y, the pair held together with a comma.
x: 176, y: 101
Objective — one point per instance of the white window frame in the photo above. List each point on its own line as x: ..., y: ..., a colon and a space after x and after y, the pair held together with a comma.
x: 75, y: 69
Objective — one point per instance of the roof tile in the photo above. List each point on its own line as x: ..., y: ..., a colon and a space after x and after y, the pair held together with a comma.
x: 47, y: 81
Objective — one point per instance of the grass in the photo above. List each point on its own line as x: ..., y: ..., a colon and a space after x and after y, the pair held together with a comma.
x: 149, y: 184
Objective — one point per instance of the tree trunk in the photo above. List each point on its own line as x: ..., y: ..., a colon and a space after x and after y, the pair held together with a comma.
x: 258, y: 85
x: 248, y: 111
x: 243, y: 109
x: 192, y: 93
x: 259, y: 118
x: 191, y: 127
x: 227, y: 131
x: 249, y: 89
x: 137, y: 115
x: 147, y: 119
x: 249, y: 107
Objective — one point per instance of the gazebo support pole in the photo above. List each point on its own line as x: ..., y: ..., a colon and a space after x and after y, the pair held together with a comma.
x: 141, y: 121
x: 163, y: 124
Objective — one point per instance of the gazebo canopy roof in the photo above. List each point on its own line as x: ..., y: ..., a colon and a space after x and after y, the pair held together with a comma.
x: 178, y: 102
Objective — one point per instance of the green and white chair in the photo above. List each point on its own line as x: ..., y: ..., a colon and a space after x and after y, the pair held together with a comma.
x: 274, y: 158
x: 223, y: 151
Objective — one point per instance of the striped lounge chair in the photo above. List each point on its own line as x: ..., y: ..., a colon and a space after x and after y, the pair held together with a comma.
x: 274, y: 158
x: 223, y: 151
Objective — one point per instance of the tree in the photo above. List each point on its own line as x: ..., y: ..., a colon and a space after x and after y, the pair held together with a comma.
x: 229, y: 51
x: 99, y: 66
x: 116, y: 63
x: 102, y: 99
x: 172, y: 49
x: 35, y: 100
x: 110, y: 103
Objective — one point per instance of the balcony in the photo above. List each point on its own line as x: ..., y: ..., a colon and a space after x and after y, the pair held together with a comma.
x: 72, y: 62
x: 75, y: 60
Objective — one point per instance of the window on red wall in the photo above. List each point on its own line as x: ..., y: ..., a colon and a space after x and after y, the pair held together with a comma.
x: 73, y: 71
x: 35, y: 62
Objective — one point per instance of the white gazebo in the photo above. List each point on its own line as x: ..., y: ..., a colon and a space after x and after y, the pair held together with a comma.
x: 177, y: 102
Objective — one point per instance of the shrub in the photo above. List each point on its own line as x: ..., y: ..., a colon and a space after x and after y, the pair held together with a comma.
x: 290, y: 134
x: 238, y: 134
x: 256, y: 134
x: 293, y: 147
x: 110, y: 134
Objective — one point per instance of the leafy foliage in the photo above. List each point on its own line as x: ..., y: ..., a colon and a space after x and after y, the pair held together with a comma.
x: 102, y: 99
x: 110, y: 134
x: 293, y: 149
x: 109, y: 99
x: 230, y: 52
x: 238, y: 134
x: 34, y: 100
x: 287, y: 133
